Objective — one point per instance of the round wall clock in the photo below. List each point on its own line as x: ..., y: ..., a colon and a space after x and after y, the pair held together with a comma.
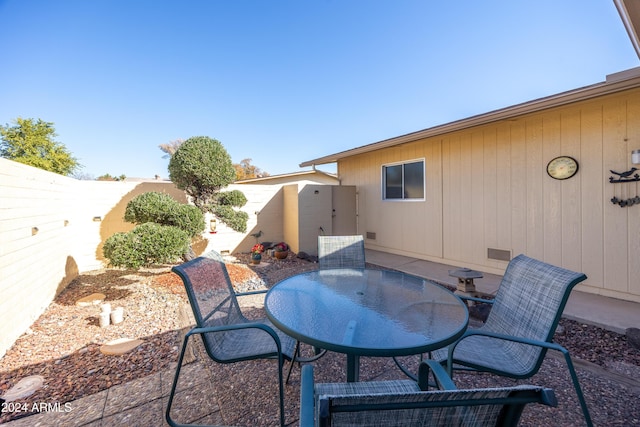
x: 562, y: 167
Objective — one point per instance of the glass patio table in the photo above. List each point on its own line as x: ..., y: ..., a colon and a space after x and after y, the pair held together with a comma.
x: 366, y: 312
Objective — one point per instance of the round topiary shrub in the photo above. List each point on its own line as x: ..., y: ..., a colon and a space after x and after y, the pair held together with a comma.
x: 232, y: 198
x: 201, y: 167
x: 147, y: 244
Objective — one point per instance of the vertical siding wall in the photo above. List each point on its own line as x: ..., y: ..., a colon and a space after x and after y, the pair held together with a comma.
x: 487, y: 187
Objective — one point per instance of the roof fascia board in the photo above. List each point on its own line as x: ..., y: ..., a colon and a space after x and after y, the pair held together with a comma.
x: 286, y: 175
x: 629, y: 11
x: 575, y: 95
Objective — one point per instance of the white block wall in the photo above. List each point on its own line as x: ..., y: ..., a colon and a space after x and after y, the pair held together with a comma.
x: 47, y: 235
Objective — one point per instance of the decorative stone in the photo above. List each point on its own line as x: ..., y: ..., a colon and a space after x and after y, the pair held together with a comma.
x: 262, y: 265
x: 25, y: 387
x: 305, y: 256
x: 633, y: 337
x: 120, y: 346
x: 93, y: 299
x: 465, y: 278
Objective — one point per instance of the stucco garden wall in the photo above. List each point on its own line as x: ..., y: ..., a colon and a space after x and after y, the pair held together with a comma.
x: 51, y: 228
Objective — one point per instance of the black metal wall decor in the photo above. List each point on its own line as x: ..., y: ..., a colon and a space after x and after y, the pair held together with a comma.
x: 626, y: 198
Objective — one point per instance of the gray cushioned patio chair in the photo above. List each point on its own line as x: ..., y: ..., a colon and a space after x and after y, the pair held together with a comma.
x: 341, y: 252
x: 228, y: 336
x: 403, y: 403
x: 519, y: 330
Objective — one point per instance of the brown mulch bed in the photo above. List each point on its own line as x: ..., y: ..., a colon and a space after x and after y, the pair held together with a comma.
x: 63, y: 343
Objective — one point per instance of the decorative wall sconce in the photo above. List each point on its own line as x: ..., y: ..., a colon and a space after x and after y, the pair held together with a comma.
x: 635, y: 157
x: 34, y: 231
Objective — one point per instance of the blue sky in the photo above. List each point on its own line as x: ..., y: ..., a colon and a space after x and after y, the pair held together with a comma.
x: 282, y: 82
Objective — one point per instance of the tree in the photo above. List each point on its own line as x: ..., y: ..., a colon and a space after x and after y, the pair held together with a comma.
x: 32, y: 143
x: 108, y: 177
x: 171, y: 147
x: 202, y: 168
x: 245, y: 170
x: 83, y: 176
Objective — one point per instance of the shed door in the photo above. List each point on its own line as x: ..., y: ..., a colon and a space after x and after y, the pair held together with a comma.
x: 343, y: 215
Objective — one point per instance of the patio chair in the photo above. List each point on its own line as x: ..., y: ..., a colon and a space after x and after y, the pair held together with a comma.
x: 519, y: 329
x: 340, y: 252
x: 228, y: 336
x: 402, y: 403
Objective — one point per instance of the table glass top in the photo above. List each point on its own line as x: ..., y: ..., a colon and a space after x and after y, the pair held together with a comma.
x: 367, y: 312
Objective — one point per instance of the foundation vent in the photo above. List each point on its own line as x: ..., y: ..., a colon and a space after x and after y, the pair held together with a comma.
x: 498, y: 254
x: 371, y: 235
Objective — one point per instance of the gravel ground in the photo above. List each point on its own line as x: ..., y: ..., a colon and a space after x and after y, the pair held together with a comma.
x: 63, y: 346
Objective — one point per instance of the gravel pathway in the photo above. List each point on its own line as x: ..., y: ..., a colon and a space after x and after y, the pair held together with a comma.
x: 63, y: 347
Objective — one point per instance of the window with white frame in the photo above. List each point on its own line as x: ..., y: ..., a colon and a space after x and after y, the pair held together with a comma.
x: 403, y: 181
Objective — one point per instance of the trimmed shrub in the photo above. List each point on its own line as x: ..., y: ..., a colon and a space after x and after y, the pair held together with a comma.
x: 237, y: 220
x: 147, y: 244
x: 165, y: 210
x: 201, y: 166
x: 232, y: 198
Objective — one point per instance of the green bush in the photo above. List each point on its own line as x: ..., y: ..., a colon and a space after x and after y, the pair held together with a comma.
x: 188, y: 218
x: 147, y: 244
x: 232, y: 198
x: 237, y: 220
x: 201, y: 166
x: 165, y: 210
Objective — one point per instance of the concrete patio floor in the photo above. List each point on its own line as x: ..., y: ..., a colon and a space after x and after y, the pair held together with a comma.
x: 142, y: 402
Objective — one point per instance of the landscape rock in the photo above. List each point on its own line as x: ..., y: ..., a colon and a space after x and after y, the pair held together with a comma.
x: 93, y: 299
x: 120, y: 346
x: 23, y: 388
x: 633, y: 337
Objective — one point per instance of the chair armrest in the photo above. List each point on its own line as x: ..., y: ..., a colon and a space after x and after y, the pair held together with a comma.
x: 307, y: 398
x: 226, y: 328
x: 443, y: 380
x: 544, y: 344
x: 242, y: 294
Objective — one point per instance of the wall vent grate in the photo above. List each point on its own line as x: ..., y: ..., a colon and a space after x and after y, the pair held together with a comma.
x: 498, y: 254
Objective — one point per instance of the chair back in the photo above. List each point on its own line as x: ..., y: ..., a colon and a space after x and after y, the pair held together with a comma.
x: 529, y: 304
x: 341, y: 252
x: 446, y: 408
x: 212, y: 298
